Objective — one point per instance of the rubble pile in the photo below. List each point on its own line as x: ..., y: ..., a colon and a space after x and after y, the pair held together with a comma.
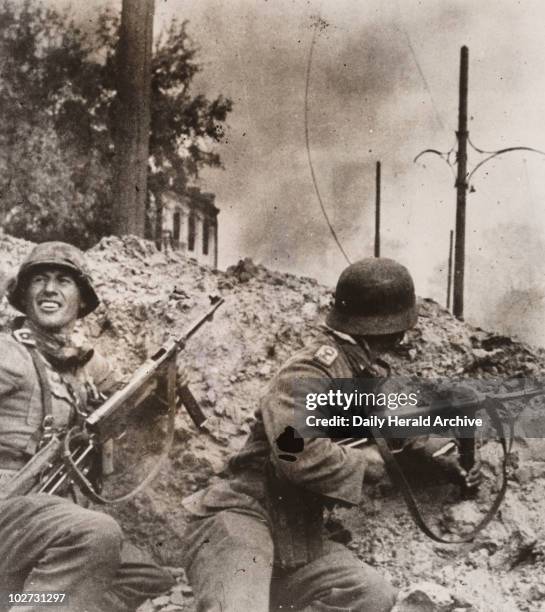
x: 149, y: 296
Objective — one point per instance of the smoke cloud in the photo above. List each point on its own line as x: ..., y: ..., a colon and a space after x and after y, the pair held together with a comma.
x: 383, y: 87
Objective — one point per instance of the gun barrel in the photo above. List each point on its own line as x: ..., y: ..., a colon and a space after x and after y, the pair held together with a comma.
x: 514, y: 395
x: 196, y: 325
x: 452, y: 407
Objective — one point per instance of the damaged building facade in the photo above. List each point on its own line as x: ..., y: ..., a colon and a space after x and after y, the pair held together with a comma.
x: 190, y: 224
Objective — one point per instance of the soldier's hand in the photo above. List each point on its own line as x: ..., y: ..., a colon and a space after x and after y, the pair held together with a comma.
x: 450, y: 464
x: 473, y: 478
x: 374, y: 465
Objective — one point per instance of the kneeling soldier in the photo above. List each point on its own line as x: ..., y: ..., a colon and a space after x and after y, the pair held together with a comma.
x: 256, y: 541
x: 48, y: 543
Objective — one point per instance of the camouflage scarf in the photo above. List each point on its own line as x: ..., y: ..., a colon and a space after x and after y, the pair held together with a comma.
x: 59, y: 349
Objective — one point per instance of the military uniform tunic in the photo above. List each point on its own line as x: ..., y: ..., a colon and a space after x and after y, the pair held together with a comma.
x: 21, y: 412
x: 50, y: 544
x: 256, y: 539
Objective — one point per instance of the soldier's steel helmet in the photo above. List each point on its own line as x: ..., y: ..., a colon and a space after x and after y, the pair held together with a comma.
x: 58, y: 254
x: 374, y: 296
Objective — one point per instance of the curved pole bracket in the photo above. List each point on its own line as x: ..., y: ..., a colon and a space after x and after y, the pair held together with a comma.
x: 450, y: 158
x: 446, y: 156
x: 492, y: 154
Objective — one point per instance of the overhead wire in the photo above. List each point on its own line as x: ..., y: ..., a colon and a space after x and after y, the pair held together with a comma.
x: 446, y: 156
x: 437, y: 115
x: 527, y: 180
x: 400, y: 27
x: 307, y: 142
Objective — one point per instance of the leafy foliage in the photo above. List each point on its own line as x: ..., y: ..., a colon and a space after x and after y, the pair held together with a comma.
x: 57, y: 121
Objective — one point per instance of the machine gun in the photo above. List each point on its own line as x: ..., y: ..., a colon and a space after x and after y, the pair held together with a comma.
x: 462, y: 406
x: 68, y: 460
x: 467, y: 404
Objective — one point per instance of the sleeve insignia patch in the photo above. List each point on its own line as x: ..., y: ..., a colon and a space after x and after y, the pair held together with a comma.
x: 326, y: 355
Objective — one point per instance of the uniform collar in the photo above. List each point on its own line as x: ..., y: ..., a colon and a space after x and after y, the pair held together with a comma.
x: 340, y: 335
x: 350, y: 339
x: 361, y: 351
x: 58, y: 349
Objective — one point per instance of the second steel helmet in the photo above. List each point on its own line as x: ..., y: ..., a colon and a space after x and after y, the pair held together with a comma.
x: 58, y: 254
x: 374, y: 296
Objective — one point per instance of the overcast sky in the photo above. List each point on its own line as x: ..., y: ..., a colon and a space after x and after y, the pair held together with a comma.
x: 383, y: 86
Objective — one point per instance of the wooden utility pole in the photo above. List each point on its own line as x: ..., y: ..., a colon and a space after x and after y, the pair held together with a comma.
x: 377, y: 211
x: 133, y: 116
x: 449, y: 272
x: 461, y: 189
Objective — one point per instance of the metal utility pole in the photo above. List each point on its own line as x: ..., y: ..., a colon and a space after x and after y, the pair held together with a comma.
x: 463, y: 180
x: 133, y: 116
x: 461, y: 189
x: 377, y: 211
x: 449, y: 272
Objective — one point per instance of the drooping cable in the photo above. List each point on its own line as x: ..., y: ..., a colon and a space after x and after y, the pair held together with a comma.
x: 437, y: 115
x: 316, y: 26
x: 401, y: 27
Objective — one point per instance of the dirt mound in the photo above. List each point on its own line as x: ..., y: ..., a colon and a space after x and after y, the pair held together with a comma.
x: 147, y: 296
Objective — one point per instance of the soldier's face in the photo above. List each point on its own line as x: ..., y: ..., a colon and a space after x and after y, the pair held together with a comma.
x: 52, y: 299
x: 385, y: 343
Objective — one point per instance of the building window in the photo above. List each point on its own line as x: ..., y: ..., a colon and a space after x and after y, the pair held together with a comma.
x: 191, y: 229
x: 205, y: 235
x: 176, y: 223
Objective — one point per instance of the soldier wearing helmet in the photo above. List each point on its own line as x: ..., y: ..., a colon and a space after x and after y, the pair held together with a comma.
x: 374, y: 297
x: 59, y: 257
x: 268, y: 517
x: 50, y: 544
x: 256, y: 541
